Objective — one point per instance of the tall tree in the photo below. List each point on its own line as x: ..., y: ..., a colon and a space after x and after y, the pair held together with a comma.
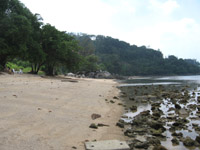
x: 86, y: 44
x: 15, y: 29
x: 60, y: 49
x: 35, y: 54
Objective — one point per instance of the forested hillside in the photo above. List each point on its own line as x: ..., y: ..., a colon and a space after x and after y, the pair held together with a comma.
x: 122, y: 58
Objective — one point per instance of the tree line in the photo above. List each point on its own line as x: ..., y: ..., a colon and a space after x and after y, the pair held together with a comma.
x: 26, y: 40
x: 119, y: 57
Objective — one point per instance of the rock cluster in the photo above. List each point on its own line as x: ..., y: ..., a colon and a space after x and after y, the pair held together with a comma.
x: 96, y: 74
x: 172, y: 109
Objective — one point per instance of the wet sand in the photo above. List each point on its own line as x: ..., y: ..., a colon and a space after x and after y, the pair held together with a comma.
x: 55, y: 114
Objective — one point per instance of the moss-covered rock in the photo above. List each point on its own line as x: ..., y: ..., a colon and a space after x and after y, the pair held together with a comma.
x: 153, y: 141
x: 119, y: 124
x: 133, y: 108
x: 157, y: 126
x: 188, y: 142
x: 198, y: 139
x: 156, y: 132
x: 160, y: 147
x: 175, y: 141
x: 94, y: 126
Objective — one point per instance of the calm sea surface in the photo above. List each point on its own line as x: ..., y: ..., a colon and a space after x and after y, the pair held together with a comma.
x: 162, y: 80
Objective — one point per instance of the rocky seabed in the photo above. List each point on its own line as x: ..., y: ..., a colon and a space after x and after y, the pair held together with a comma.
x: 160, y: 117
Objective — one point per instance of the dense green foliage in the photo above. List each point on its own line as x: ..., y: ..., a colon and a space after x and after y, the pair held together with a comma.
x: 90, y: 62
x: 23, y: 36
x: 59, y: 48
x: 14, y: 30
x: 19, y: 64
x: 122, y: 58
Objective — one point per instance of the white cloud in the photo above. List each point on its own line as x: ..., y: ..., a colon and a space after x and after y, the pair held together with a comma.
x: 169, y: 6
x: 165, y: 8
x: 126, y: 6
x: 169, y: 36
x: 182, y: 39
x: 178, y: 27
x: 78, y: 16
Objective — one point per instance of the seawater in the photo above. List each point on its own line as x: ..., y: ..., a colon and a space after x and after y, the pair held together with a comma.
x: 164, y: 80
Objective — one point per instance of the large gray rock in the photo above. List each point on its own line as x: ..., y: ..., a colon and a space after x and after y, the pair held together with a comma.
x: 103, y: 74
x: 70, y: 74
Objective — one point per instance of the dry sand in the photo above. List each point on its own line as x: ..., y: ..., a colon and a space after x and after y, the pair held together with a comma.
x: 49, y: 114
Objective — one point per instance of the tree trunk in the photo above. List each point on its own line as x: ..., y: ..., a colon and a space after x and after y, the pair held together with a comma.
x: 32, y: 70
x: 38, y: 68
x: 3, y: 61
x: 49, y: 70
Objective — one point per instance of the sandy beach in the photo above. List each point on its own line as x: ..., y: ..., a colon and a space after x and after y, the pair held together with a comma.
x: 55, y: 114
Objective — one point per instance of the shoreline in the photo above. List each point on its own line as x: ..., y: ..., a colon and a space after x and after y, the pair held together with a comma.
x: 48, y: 113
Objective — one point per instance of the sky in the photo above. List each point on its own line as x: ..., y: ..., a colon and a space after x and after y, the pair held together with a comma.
x: 172, y: 26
